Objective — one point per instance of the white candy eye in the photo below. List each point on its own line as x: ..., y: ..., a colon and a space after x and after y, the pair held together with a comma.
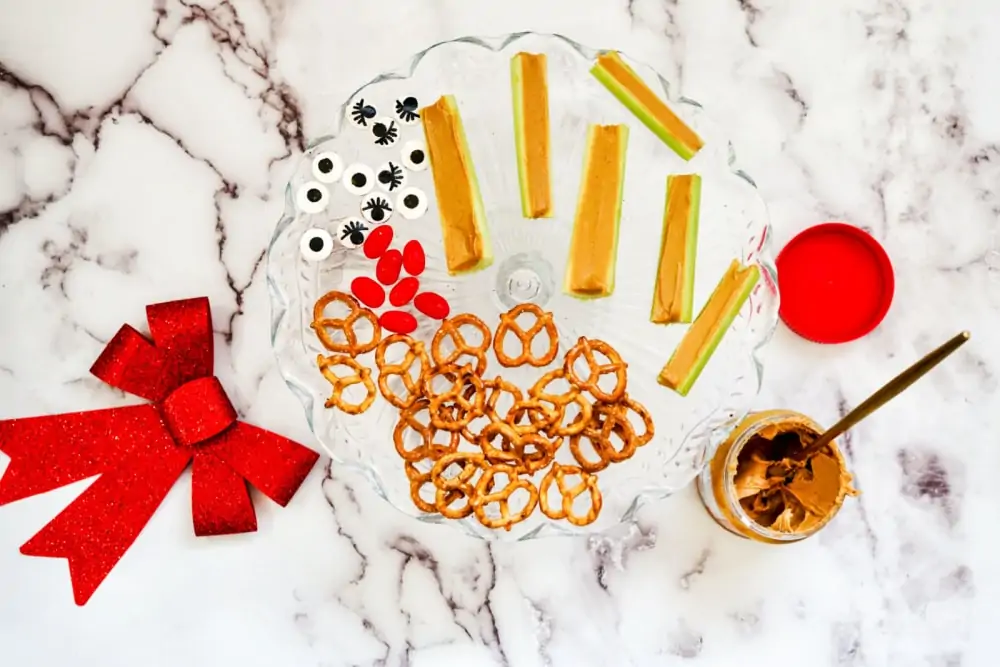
x: 414, y: 155
x: 407, y: 110
x: 315, y: 245
x: 390, y: 177
x: 361, y: 113
x: 358, y: 179
x: 327, y: 167
x: 411, y: 203
x: 385, y: 131
x: 352, y: 232
x: 376, y: 208
x: 312, y: 197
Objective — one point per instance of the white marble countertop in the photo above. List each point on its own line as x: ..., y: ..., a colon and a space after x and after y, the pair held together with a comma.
x: 144, y: 145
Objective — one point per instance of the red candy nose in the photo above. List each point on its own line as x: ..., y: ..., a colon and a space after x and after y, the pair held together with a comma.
x: 368, y: 291
x: 432, y: 305
x: 378, y: 240
x: 403, y: 292
x: 387, y: 269
x: 414, y: 259
x: 398, y: 321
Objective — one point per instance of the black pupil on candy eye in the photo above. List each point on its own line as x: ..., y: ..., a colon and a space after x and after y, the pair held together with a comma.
x: 314, y: 195
x: 379, y: 129
x: 385, y: 176
x: 357, y: 238
x: 410, y: 201
x: 417, y: 156
x: 326, y: 165
x: 368, y: 111
x: 316, y: 244
x: 358, y: 180
x: 410, y: 103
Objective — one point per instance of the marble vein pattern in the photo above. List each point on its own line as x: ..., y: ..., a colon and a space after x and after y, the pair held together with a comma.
x: 144, y: 147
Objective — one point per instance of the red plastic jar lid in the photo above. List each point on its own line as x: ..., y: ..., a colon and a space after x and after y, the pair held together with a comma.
x: 836, y: 283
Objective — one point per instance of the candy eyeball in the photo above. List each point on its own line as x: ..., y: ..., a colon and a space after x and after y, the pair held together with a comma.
x: 385, y: 131
x: 327, y: 167
x: 407, y: 110
x: 390, y: 177
x: 352, y: 232
x: 358, y: 179
x: 315, y: 245
x: 376, y: 208
x: 414, y: 155
x: 312, y: 197
x: 411, y: 203
x: 362, y: 114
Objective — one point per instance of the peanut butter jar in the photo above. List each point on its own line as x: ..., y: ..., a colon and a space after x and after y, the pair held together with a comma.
x: 757, y: 485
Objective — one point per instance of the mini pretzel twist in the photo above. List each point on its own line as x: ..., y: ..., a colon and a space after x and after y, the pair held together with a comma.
x: 326, y: 326
x: 527, y: 452
x: 460, y: 485
x: 508, y: 324
x: 568, y: 494
x: 628, y: 404
x: 560, y: 402
x: 451, y: 328
x: 415, y: 352
x: 485, y: 496
x: 494, y: 389
x: 464, y: 407
x: 361, y: 375
x: 595, y: 370
x: 408, y: 422
x: 607, y: 421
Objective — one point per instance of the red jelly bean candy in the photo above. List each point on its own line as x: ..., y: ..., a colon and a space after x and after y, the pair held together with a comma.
x: 398, y: 321
x: 378, y: 240
x: 387, y: 269
x: 368, y: 291
x: 414, y: 259
x: 432, y: 305
x: 404, y: 290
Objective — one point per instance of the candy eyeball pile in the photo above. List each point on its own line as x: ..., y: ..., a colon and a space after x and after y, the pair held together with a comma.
x: 379, y: 190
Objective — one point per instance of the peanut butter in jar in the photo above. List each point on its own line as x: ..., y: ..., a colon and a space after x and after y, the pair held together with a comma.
x: 757, y: 484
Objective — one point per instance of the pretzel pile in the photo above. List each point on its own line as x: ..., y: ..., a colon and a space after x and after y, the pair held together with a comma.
x: 471, y: 444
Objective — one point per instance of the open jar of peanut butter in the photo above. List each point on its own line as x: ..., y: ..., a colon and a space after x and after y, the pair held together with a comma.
x: 759, y: 485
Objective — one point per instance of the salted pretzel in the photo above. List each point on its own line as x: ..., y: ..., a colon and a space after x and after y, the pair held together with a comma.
x: 568, y: 494
x: 508, y: 324
x: 326, y: 326
x: 415, y: 353
x: 449, y: 489
x: 586, y: 347
x: 451, y: 328
x: 454, y: 408
x: 628, y: 404
x: 486, y: 496
x: 361, y: 375
x: 607, y: 422
x: 408, y: 421
x: 540, y: 392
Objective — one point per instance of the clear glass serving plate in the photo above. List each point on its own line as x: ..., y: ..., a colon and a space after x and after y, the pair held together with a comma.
x: 529, y: 259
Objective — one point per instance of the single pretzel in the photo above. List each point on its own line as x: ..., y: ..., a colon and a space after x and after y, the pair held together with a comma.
x: 415, y: 352
x: 527, y: 452
x: 461, y: 485
x: 508, y: 324
x: 495, y: 389
x: 408, y: 421
x: 532, y: 416
x: 361, y: 375
x: 607, y: 421
x: 595, y: 370
x: 465, y: 406
x: 628, y: 404
x: 485, y: 496
x: 325, y: 326
x: 451, y: 328
x: 588, y: 482
x: 539, y: 391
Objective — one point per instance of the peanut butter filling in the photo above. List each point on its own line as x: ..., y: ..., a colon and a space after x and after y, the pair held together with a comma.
x: 531, y: 113
x: 459, y: 203
x: 780, y: 490
x: 593, y: 250
x: 674, y: 276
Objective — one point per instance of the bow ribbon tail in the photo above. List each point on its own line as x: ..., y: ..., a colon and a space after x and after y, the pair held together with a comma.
x: 96, y: 529
x: 50, y: 452
x: 275, y: 465
x: 220, y: 501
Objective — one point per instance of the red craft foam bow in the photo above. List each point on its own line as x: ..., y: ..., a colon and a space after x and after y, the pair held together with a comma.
x: 139, y: 451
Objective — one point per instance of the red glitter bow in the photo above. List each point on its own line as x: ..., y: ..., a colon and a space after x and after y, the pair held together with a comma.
x: 139, y: 451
